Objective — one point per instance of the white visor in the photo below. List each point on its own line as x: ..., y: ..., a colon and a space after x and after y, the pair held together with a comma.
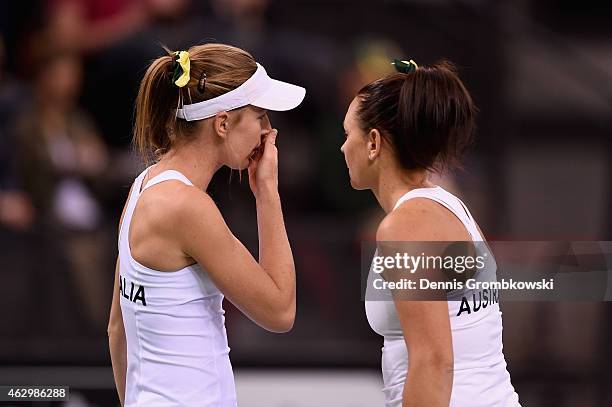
x: 259, y: 90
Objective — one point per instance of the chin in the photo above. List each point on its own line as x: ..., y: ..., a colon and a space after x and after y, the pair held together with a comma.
x: 359, y: 184
x: 356, y: 185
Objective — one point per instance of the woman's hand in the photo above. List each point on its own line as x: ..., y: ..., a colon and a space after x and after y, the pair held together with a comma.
x: 263, y: 168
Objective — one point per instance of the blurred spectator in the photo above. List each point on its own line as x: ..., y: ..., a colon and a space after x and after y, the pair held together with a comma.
x: 117, y: 37
x: 15, y: 209
x: 60, y: 160
x: 90, y: 25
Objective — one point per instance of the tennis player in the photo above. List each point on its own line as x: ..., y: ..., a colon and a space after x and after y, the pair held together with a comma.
x: 436, y: 353
x: 196, y: 111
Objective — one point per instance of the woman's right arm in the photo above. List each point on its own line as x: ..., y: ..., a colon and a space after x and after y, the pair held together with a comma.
x: 264, y: 290
x: 117, y: 343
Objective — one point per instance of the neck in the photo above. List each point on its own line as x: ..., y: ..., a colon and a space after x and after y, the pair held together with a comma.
x: 393, y: 184
x: 197, y: 162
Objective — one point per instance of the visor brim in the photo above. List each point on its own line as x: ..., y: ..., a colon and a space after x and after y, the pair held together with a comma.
x: 280, y: 96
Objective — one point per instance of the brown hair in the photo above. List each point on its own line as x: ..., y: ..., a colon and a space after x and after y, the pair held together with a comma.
x: 427, y: 115
x: 156, y: 126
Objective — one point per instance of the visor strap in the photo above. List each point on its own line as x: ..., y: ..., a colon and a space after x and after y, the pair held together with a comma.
x: 242, y: 96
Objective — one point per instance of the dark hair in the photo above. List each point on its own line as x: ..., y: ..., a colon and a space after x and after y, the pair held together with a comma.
x: 427, y: 115
x: 156, y: 125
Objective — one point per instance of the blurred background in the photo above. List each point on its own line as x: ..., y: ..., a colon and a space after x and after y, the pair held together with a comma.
x: 539, y: 70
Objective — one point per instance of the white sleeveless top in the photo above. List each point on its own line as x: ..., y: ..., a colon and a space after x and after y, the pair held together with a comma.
x: 480, y: 377
x: 177, y: 352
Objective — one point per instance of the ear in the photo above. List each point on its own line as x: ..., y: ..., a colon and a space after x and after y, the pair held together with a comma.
x: 374, y: 144
x: 221, y: 124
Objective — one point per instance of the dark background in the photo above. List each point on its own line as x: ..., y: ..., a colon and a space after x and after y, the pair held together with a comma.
x: 540, y: 72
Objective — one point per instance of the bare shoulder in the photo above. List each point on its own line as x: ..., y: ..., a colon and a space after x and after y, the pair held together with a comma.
x: 420, y: 219
x: 172, y: 206
x: 192, y: 217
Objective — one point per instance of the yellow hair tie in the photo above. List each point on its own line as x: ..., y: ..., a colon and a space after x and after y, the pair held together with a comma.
x: 183, y: 61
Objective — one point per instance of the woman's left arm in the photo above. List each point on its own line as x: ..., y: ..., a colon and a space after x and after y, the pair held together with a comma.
x: 425, y: 321
x: 427, y: 333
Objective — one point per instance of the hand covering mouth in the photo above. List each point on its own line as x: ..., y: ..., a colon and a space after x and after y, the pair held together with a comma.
x: 257, y: 152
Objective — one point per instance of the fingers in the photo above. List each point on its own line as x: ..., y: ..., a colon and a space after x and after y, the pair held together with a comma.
x: 269, y: 150
x: 271, y: 137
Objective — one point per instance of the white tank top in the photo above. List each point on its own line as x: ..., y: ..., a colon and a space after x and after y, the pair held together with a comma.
x: 177, y: 352
x: 480, y: 376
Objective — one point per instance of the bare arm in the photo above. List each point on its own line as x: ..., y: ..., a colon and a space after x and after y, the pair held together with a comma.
x: 264, y: 291
x: 275, y: 256
x: 427, y: 334
x: 116, y: 340
x: 425, y: 323
x: 116, y: 334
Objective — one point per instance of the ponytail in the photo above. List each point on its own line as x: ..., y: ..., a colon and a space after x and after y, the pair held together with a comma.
x: 155, y: 105
x: 426, y: 114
